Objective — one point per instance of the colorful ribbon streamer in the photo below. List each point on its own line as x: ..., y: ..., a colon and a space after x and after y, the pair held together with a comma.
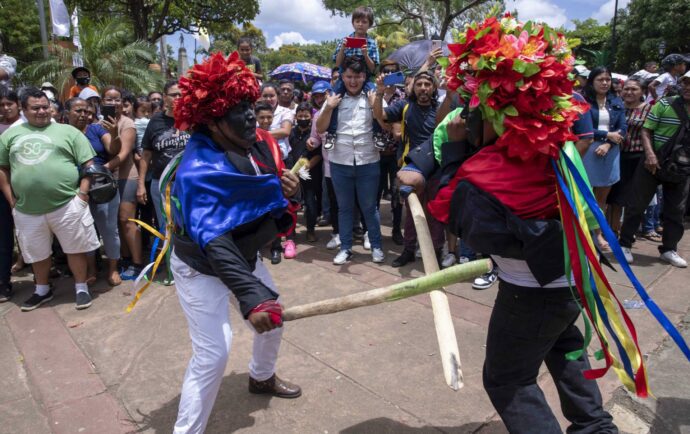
x: 603, y: 310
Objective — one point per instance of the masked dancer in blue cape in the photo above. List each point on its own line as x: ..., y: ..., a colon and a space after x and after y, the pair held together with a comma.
x: 228, y: 200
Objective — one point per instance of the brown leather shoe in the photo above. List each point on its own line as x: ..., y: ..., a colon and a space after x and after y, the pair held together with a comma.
x: 275, y: 386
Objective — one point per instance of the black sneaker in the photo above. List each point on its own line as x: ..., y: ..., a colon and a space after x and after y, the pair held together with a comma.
x: 5, y: 293
x: 83, y: 300
x: 275, y: 257
x: 36, y: 300
x: 403, y: 259
x: 329, y: 143
x: 485, y: 280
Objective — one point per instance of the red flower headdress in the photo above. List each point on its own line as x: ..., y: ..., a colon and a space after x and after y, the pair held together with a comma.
x: 210, y: 88
x: 517, y: 75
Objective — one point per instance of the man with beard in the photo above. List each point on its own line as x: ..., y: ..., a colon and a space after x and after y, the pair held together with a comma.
x: 417, y: 114
x: 228, y: 200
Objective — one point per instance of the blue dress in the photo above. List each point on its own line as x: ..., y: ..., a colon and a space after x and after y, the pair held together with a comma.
x: 605, y: 171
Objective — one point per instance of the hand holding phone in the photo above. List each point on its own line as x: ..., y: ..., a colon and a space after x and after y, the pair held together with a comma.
x: 108, y: 111
x: 393, y: 79
x: 355, y: 42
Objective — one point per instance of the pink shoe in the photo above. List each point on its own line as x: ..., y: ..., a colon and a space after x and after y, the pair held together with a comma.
x: 289, y: 250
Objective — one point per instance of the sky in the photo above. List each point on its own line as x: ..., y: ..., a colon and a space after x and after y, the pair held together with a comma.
x: 282, y: 24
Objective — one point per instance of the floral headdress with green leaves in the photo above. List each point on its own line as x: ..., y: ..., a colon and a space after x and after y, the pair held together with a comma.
x: 517, y: 74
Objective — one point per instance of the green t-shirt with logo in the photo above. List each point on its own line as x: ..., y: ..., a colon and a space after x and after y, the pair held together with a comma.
x: 44, y: 164
x: 663, y: 121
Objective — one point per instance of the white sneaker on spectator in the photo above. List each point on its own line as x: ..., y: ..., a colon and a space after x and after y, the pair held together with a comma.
x: 463, y: 260
x: 449, y: 259
x: 342, y: 257
x: 418, y: 253
x: 367, y: 244
x: 674, y: 259
x: 334, y: 243
x: 377, y: 255
x: 628, y: 254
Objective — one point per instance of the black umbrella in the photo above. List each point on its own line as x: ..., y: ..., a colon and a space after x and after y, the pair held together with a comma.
x: 413, y: 55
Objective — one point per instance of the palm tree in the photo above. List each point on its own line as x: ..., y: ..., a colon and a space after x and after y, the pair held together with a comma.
x: 110, y: 54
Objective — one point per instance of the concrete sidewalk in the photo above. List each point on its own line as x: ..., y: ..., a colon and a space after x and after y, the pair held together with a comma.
x: 370, y: 370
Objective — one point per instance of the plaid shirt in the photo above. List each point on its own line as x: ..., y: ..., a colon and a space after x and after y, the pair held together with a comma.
x: 372, y: 48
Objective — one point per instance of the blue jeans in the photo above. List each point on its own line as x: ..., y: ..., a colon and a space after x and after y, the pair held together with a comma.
x: 362, y: 181
x: 105, y: 216
x: 6, y: 240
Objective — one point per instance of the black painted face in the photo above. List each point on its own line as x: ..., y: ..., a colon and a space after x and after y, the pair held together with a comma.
x: 241, y: 124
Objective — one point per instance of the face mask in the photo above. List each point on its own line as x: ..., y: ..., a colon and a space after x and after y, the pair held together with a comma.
x: 83, y: 81
x: 303, y: 123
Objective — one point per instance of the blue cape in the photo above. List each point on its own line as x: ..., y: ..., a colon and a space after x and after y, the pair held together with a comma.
x: 213, y: 197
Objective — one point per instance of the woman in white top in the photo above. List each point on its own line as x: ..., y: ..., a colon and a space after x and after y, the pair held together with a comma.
x: 282, y: 117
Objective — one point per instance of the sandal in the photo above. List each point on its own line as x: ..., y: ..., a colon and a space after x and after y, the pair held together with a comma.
x: 652, y: 236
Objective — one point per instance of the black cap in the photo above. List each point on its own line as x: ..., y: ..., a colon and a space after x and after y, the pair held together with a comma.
x: 78, y: 69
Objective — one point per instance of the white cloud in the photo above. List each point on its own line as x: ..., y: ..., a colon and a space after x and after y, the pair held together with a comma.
x: 286, y: 38
x: 308, y: 17
x: 539, y: 10
x: 605, y: 12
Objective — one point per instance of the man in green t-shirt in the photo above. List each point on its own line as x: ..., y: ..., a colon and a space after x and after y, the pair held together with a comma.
x: 42, y: 159
x: 661, y: 125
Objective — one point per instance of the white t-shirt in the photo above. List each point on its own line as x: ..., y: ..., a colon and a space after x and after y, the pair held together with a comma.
x: 281, y: 114
x: 665, y: 80
x: 517, y: 272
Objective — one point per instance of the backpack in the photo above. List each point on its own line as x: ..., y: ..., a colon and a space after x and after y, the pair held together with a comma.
x: 674, y: 155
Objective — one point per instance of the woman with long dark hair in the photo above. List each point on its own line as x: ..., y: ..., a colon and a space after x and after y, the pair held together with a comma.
x: 632, y: 152
x: 602, y: 159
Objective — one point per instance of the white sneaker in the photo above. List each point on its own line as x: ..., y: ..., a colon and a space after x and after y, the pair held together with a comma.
x: 674, y: 259
x: 334, y: 243
x: 377, y: 255
x: 418, y: 253
x: 628, y: 254
x: 448, y: 260
x: 367, y: 244
x: 342, y: 257
x: 463, y: 260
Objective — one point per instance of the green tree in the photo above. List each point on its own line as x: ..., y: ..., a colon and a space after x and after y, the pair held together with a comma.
x: 110, y: 54
x: 594, y: 39
x: 644, y: 25
x: 20, y: 31
x: 226, y: 41
x: 153, y: 19
x: 424, y: 17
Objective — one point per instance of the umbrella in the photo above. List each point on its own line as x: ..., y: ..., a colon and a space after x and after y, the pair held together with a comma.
x: 301, y: 71
x: 413, y: 55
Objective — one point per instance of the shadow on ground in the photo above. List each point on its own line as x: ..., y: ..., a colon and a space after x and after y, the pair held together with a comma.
x: 384, y: 425
x: 226, y: 420
x: 672, y: 416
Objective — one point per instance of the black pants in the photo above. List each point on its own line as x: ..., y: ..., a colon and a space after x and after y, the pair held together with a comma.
x: 528, y: 327
x: 389, y: 168
x: 6, y: 241
x: 312, y: 193
x: 642, y: 190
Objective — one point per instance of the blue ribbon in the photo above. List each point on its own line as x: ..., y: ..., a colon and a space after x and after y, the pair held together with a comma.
x: 618, y: 253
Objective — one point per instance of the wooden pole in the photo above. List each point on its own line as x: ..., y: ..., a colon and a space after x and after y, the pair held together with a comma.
x: 445, y: 331
x: 409, y: 288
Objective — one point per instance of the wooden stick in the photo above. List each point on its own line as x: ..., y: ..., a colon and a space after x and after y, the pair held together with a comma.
x: 409, y: 288
x: 445, y: 331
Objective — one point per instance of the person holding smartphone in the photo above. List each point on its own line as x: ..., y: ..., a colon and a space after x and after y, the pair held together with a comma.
x: 124, y: 136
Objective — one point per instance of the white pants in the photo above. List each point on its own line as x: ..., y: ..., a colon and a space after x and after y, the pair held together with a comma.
x: 204, y: 300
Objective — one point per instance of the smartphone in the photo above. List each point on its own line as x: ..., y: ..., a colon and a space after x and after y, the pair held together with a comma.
x: 108, y: 110
x: 436, y: 44
x: 355, y: 42
x: 394, y: 78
